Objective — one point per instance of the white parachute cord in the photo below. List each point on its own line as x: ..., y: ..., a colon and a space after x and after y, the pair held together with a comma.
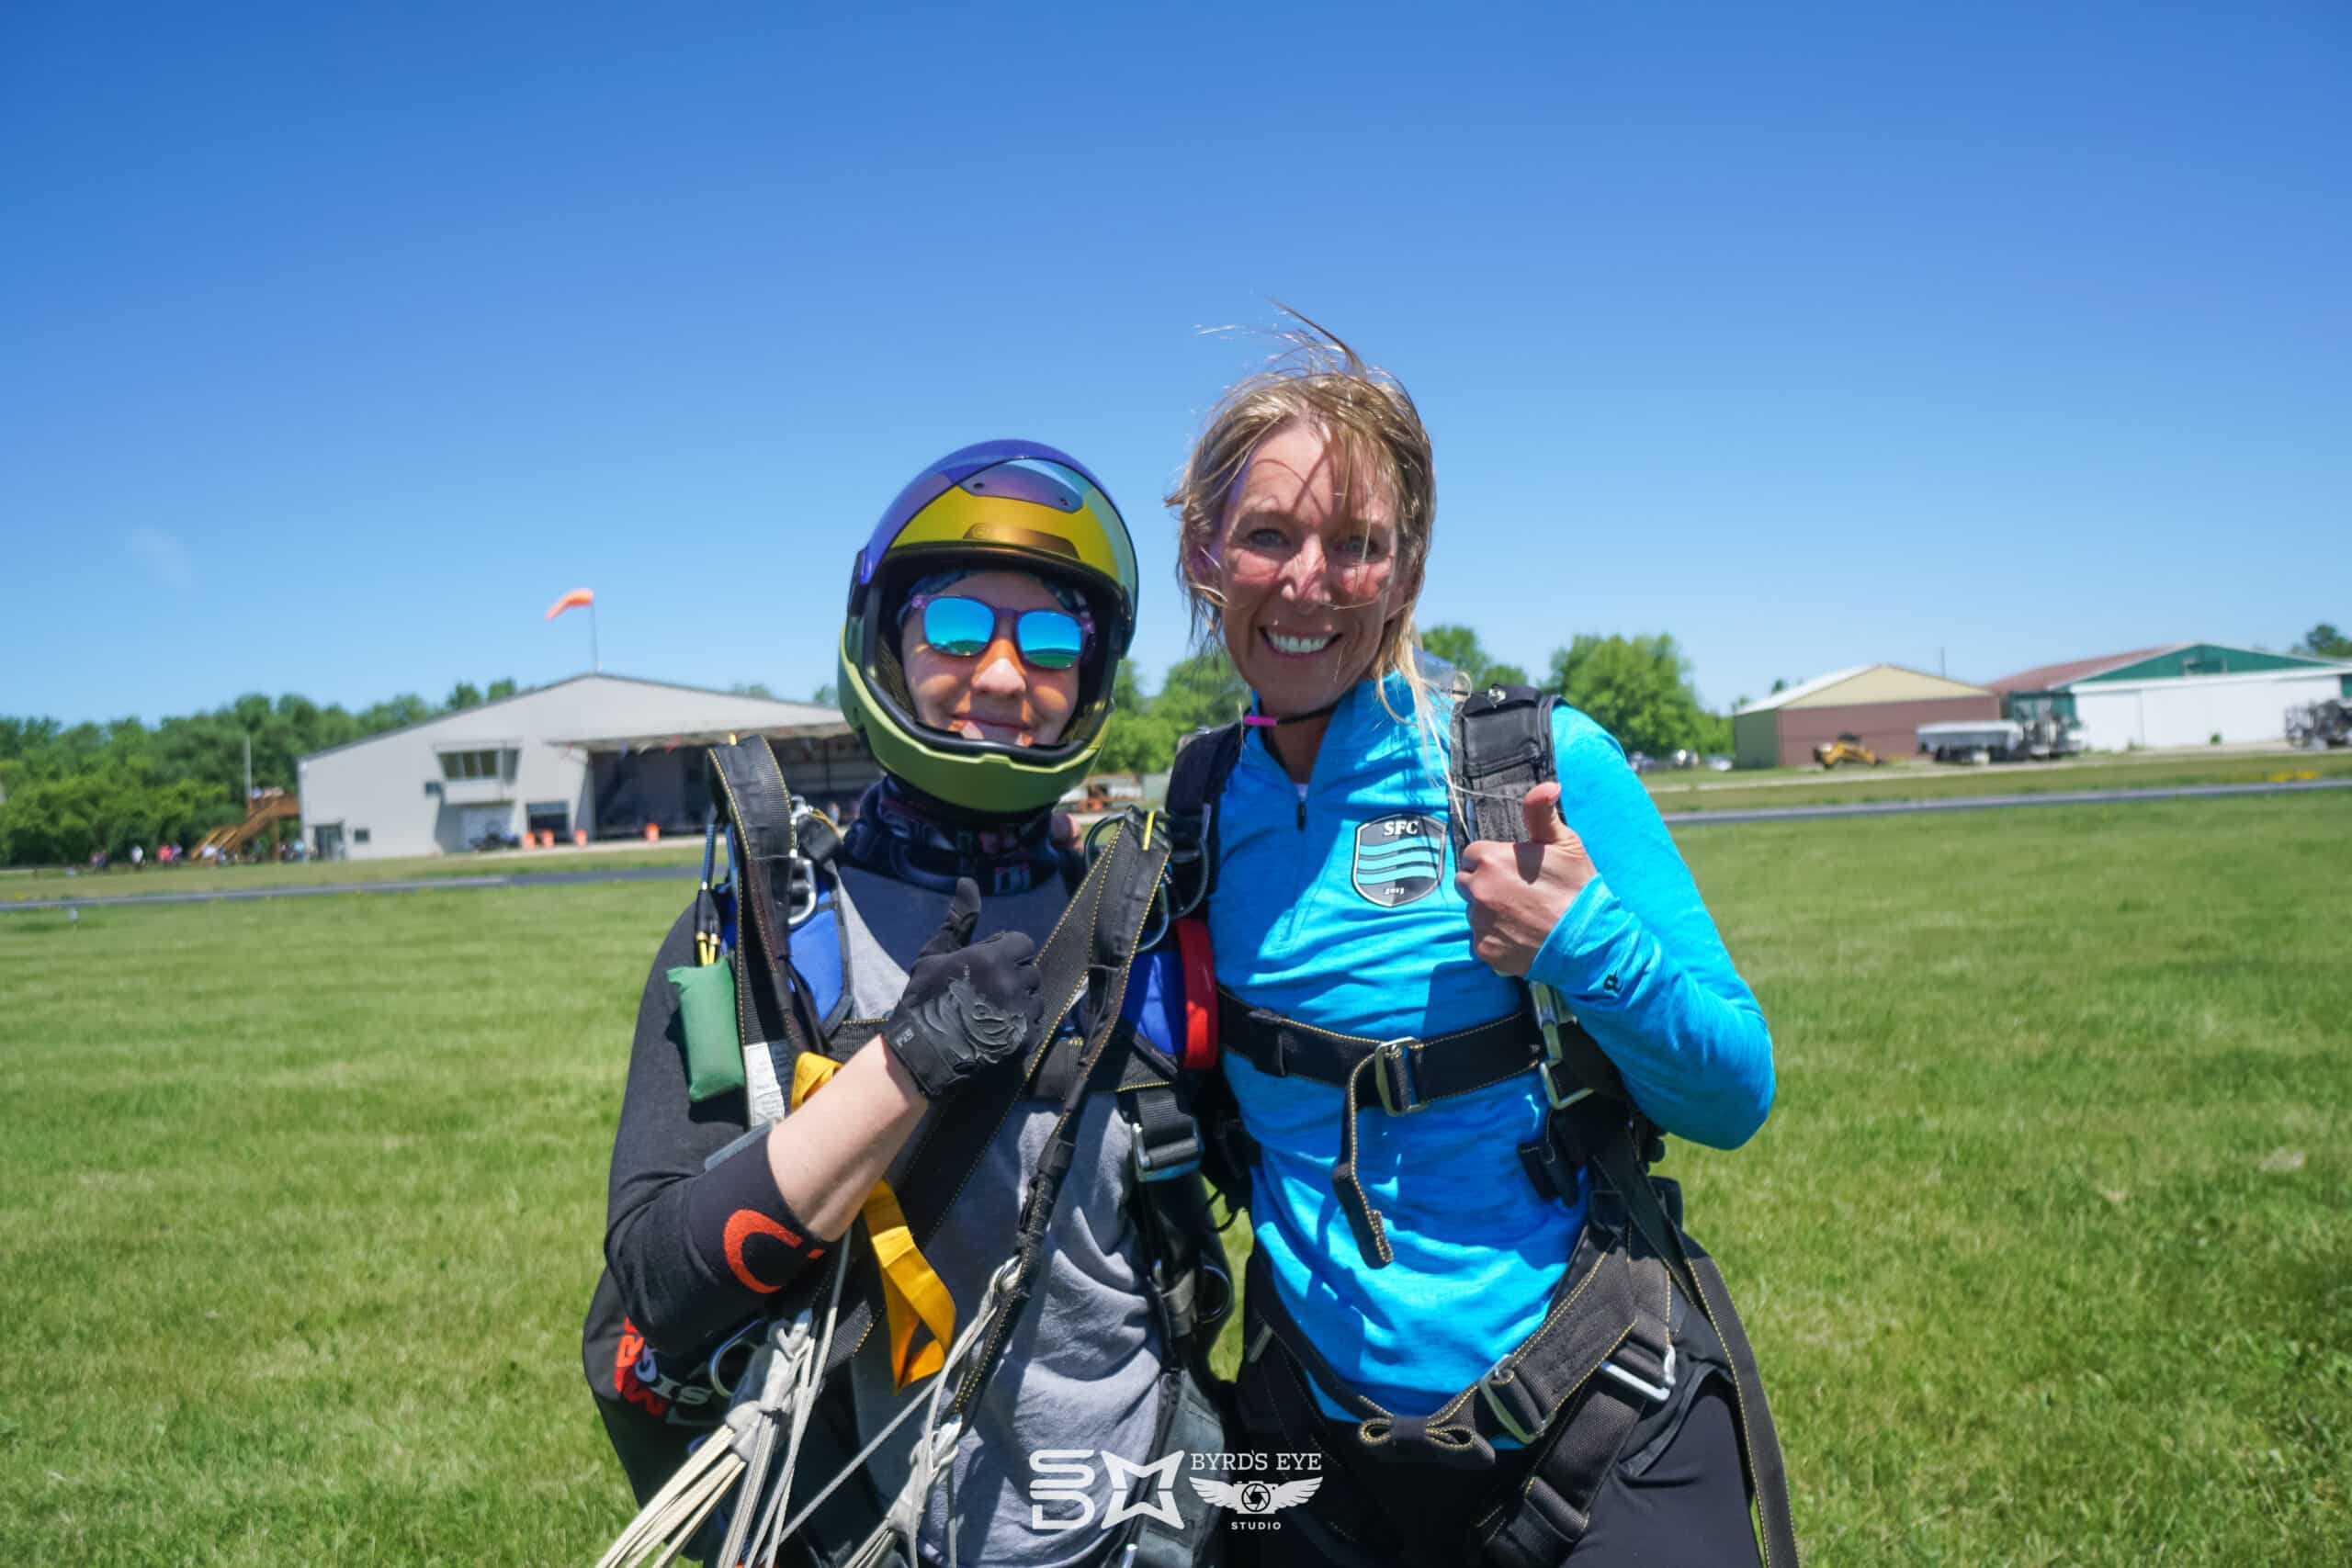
x: 993, y: 1304
x: 777, y: 1364
x: 766, y: 1540
x: 717, y: 1494
x: 718, y: 1464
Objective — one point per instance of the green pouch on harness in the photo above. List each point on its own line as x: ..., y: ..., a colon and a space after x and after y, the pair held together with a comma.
x: 713, y: 1035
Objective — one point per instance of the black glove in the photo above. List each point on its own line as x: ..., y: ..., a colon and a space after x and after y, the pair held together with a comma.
x: 965, y: 1007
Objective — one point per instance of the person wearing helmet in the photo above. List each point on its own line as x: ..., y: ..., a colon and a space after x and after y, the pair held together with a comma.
x: 987, y: 615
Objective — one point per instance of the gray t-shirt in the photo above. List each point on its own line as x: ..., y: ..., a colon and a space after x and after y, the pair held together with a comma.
x: 1081, y: 1368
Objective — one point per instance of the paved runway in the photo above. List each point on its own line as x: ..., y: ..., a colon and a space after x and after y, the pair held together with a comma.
x: 1674, y: 820
x: 1994, y: 802
x: 413, y: 885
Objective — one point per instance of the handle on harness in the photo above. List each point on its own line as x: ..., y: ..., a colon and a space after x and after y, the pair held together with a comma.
x: 912, y: 1293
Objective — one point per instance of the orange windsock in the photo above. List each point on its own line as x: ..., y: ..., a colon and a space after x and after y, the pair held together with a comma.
x: 576, y: 597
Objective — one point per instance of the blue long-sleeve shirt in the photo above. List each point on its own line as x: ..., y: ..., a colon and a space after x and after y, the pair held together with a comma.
x: 1338, y: 907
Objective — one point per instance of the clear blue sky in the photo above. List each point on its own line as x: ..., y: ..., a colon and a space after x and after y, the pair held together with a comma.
x: 336, y: 341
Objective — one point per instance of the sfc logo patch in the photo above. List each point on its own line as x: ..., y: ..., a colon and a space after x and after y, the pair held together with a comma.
x: 1399, y: 858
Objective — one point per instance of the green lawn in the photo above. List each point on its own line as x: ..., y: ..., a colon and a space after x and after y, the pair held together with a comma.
x: 1931, y: 781
x: 2047, y: 1250
x: 122, y: 882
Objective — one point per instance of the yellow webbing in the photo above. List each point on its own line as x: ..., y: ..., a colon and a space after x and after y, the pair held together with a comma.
x: 911, y: 1291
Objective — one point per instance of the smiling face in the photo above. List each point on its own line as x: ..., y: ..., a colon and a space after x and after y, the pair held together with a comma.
x: 995, y: 696
x: 1306, y: 567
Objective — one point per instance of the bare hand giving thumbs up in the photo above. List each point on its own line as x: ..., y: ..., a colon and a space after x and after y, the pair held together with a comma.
x: 1517, y: 893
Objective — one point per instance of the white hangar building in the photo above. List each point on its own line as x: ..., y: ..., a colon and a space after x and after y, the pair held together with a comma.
x: 603, y: 755
x: 2183, y: 694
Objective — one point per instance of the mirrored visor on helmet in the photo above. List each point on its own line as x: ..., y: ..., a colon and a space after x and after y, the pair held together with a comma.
x: 963, y: 627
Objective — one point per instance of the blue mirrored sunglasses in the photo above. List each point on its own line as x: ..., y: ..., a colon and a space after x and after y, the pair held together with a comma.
x: 963, y: 628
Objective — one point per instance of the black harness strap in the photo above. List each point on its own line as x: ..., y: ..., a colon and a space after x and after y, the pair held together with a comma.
x: 1574, y: 1455
x: 1195, y: 780
x: 1406, y: 1075
x: 1127, y: 879
x: 1605, y: 1340
x: 761, y: 847
x: 1502, y: 748
x: 1408, y: 1072
x: 949, y: 1148
x: 1167, y: 1139
x: 1612, y: 1153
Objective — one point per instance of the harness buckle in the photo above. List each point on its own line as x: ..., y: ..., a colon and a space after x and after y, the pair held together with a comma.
x: 1656, y: 1392
x: 1523, y: 1422
x: 1178, y: 1156
x: 1394, y: 1076
x: 1558, y: 1088
x: 1208, y: 1318
x: 1189, y: 854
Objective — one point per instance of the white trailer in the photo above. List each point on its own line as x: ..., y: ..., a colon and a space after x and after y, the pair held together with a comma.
x: 1996, y: 740
x: 1971, y: 739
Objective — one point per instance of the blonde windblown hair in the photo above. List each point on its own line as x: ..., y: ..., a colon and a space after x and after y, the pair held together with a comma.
x: 1376, y: 438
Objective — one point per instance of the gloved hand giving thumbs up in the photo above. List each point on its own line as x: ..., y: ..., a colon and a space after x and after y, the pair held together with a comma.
x: 966, y: 1004
x: 1517, y: 893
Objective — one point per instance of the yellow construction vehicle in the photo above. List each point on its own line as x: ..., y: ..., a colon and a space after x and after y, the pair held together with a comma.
x: 1845, y: 749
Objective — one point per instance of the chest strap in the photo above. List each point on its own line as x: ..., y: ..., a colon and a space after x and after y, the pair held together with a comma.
x: 1407, y: 1074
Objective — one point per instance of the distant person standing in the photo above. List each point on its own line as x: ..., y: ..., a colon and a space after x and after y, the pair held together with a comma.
x: 138, y: 858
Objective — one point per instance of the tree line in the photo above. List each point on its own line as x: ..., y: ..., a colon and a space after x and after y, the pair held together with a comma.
x: 68, y: 791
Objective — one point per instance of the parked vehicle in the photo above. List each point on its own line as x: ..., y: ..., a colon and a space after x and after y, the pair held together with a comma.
x: 1104, y: 792
x: 1999, y: 740
x: 1847, y: 747
x: 2315, y: 727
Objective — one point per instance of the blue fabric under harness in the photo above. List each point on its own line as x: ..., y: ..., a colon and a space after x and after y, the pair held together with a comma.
x: 1338, y: 909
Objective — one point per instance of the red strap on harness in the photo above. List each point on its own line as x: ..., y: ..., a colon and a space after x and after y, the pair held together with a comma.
x: 1200, y: 994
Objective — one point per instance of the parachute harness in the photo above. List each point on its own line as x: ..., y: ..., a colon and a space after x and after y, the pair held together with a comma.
x: 1086, y: 957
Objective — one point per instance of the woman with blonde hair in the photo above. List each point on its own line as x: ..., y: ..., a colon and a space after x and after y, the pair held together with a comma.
x: 1467, y: 1296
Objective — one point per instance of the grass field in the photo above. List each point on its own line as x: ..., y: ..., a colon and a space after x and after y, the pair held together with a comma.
x: 1680, y: 792
x: 2047, y: 1250
x: 122, y: 882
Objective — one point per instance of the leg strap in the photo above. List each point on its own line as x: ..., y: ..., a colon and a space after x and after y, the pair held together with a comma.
x: 1581, y: 1447
x: 1602, y: 1134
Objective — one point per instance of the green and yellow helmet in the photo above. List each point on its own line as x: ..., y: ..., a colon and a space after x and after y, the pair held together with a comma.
x: 1021, y: 505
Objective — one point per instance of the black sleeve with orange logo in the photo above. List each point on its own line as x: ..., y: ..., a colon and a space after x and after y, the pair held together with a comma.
x: 694, y: 1252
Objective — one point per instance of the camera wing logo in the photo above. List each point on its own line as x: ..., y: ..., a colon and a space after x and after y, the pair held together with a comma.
x: 1255, y: 1496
